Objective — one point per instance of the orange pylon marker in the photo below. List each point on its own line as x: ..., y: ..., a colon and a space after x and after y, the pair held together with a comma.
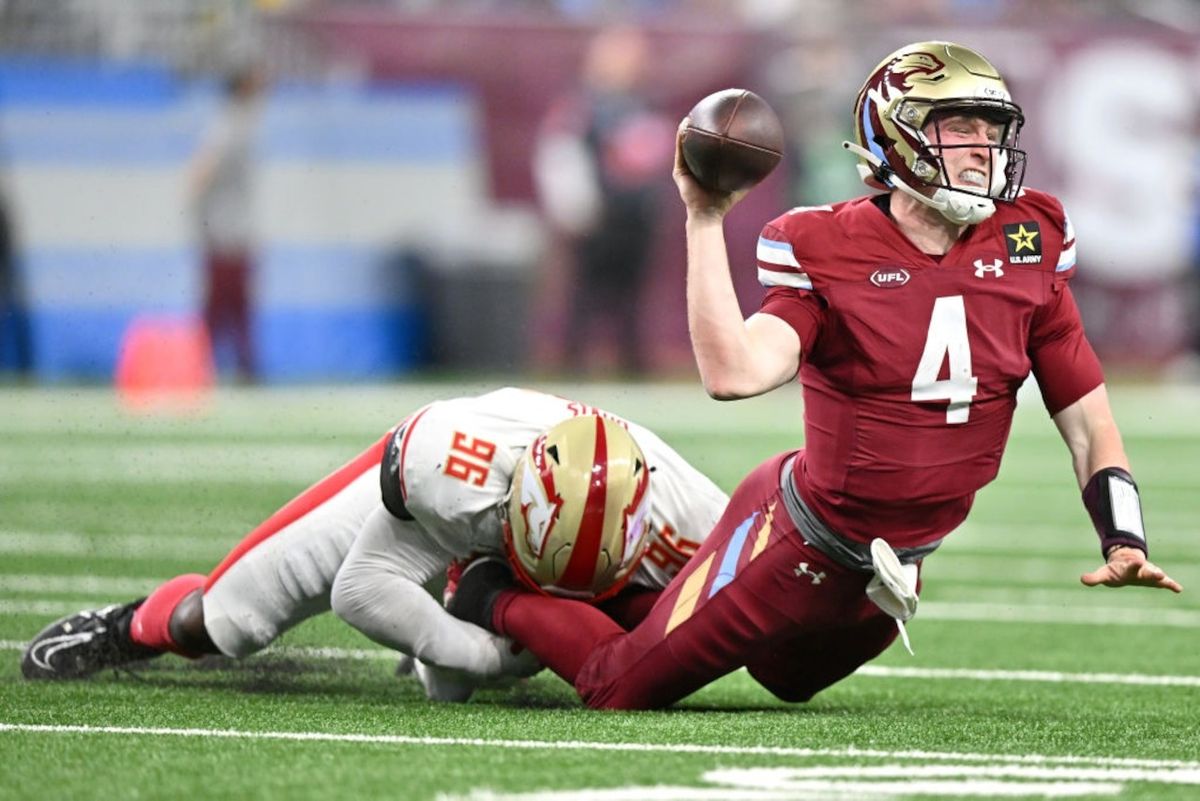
x: 165, y: 364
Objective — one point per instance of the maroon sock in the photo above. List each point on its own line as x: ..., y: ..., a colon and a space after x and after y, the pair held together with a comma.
x: 560, y: 632
x: 151, y: 625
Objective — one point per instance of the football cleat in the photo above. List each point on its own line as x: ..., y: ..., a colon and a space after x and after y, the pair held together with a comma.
x: 84, y: 643
x: 478, y: 588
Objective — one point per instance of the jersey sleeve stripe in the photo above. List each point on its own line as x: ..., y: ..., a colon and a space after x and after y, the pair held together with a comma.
x: 409, y: 425
x: 796, y: 280
x: 1066, y: 260
x: 772, y: 252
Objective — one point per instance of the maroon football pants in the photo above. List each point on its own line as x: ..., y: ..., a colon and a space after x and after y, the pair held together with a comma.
x: 754, y: 595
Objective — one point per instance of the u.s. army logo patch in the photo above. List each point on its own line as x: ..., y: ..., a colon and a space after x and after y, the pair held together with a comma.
x: 1024, y: 243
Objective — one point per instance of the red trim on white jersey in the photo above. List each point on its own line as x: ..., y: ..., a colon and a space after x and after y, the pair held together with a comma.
x: 302, y: 504
x: 409, y: 425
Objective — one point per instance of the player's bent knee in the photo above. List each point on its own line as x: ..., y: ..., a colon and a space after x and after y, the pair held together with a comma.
x: 343, y: 599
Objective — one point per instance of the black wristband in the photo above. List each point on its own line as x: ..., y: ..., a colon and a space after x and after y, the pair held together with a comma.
x: 1112, y: 500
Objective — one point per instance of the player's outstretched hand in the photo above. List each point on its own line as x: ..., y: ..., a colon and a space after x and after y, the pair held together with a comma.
x: 700, y: 202
x: 1129, y: 567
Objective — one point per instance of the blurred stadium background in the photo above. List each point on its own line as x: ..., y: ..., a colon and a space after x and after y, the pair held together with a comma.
x: 399, y: 230
x: 403, y: 256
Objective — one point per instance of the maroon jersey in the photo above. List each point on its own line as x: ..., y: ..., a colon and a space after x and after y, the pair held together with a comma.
x: 911, y: 363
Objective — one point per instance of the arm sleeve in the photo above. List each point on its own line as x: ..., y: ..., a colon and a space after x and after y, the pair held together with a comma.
x: 380, y: 591
x: 801, y: 310
x: 1064, y: 363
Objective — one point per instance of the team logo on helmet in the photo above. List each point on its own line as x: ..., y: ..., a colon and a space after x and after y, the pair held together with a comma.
x: 539, y: 503
x: 578, y: 510
x: 906, y: 69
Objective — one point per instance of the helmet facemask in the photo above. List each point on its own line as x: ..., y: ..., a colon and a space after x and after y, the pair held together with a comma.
x: 929, y: 82
x: 1006, y: 163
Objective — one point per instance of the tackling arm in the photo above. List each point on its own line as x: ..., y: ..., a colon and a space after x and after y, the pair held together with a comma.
x: 380, y: 591
x: 736, y: 358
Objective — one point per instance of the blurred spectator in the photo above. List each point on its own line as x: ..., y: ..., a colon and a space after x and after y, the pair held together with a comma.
x: 221, y: 189
x: 14, y: 335
x: 600, y: 160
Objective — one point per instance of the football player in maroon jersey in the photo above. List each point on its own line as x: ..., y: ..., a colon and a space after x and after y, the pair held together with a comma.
x: 911, y: 317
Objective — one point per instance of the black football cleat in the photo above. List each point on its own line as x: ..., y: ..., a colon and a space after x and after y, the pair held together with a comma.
x: 478, y: 588
x: 81, y: 644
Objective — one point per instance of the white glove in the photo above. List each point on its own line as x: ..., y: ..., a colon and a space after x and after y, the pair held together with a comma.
x: 893, y: 588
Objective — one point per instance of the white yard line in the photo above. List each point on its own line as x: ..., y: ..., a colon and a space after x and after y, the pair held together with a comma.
x: 1123, y: 763
x: 870, y: 671
x: 103, y: 586
x: 1051, y: 676
x: 1045, y: 613
x: 125, y: 546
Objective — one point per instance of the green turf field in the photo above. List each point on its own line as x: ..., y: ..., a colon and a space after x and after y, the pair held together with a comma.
x: 1025, y: 684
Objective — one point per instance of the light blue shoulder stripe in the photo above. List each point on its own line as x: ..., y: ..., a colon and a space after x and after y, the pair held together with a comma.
x: 774, y: 243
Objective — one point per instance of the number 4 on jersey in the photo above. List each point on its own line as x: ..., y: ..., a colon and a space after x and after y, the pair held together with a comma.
x: 947, y: 338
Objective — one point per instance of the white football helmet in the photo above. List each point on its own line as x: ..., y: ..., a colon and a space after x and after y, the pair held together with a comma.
x: 578, y: 509
x: 903, y: 92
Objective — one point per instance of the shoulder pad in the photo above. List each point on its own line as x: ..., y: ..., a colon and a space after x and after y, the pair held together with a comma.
x: 1038, y: 233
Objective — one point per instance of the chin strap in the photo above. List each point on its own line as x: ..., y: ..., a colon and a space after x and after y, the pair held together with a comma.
x: 959, y: 208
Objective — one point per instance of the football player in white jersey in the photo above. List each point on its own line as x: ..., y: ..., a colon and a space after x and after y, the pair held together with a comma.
x: 580, y: 502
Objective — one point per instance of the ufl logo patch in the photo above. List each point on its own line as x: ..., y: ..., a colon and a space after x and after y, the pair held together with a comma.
x: 888, y: 277
x: 1024, y: 243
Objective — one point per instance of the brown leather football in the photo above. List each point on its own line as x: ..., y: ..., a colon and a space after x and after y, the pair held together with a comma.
x: 733, y: 140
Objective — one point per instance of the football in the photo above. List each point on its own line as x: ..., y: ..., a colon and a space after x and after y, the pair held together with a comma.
x: 732, y: 141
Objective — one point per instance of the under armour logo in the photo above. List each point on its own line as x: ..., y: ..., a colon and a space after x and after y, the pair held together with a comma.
x: 802, y: 570
x: 981, y: 269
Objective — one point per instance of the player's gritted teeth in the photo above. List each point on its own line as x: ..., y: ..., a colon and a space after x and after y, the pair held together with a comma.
x: 972, y: 178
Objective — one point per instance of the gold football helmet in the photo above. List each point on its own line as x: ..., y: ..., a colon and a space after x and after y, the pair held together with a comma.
x: 578, y: 509
x: 920, y: 83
